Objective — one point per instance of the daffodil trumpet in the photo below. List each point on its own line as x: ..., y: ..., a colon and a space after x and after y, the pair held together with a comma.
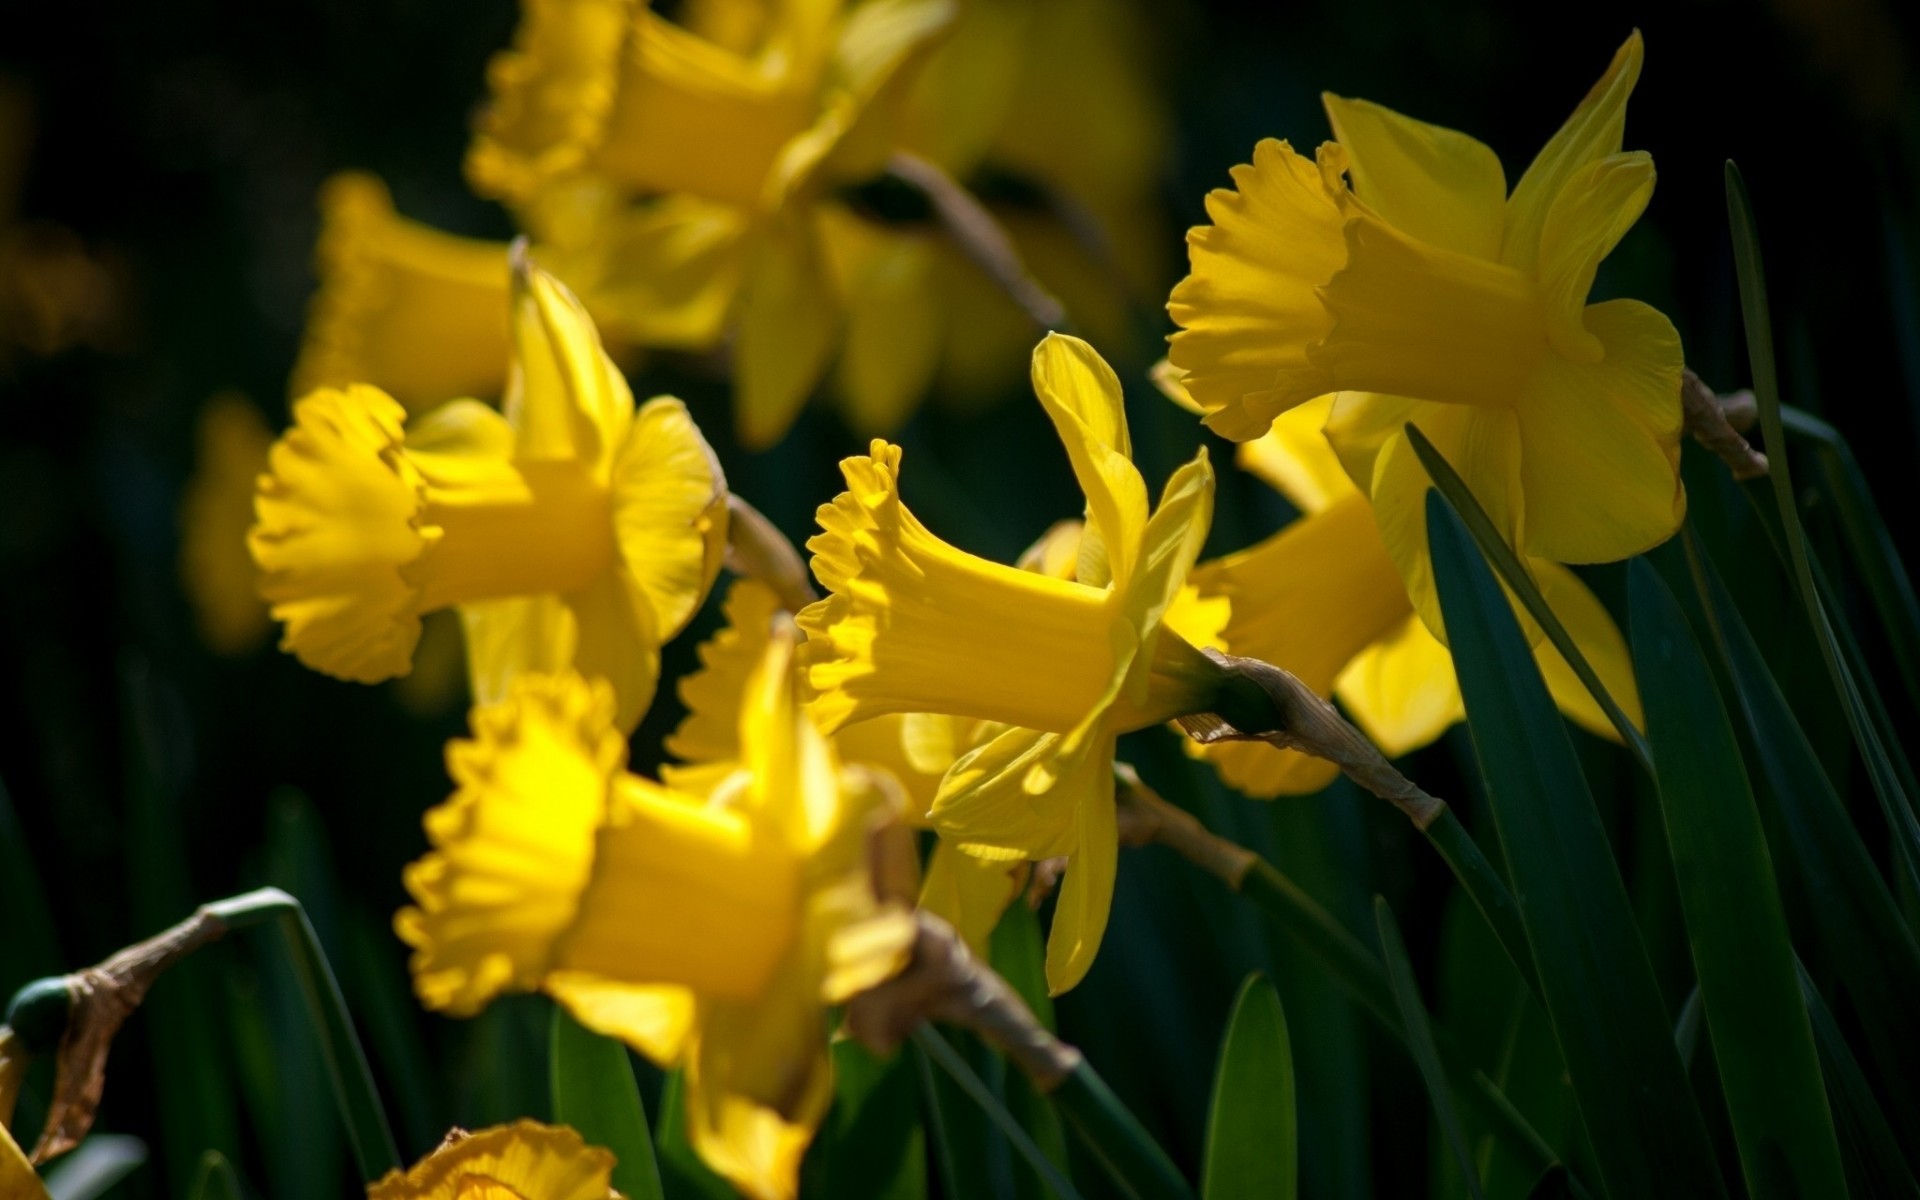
x: 522, y: 1161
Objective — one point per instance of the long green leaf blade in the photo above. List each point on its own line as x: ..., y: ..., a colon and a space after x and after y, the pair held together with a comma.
x: 1861, y: 930
x: 1754, y: 309
x: 1647, y: 1135
x: 1762, y: 1041
x: 1413, y: 1014
x: 216, y: 1180
x: 681, y: 1169
x: 594, y: 1091
x: 873, y: 1142
x: 1876, y: 1168
x: 1253, y: 1150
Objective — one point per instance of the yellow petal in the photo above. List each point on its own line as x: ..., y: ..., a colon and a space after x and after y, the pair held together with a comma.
x: 654, y: 1018
x: 1172, y: 382
x: 970, y: 893
x: 694, y: 117
x: 1262, y: 772
x: 565, y: 398
x: 549, y: 95
x: 231, y: 444
x: 615, y: 639
x: 1086, y: 895
x: 1082, y: 395
x: 1436, y: 184
x: 867, y: 942
x: 894, y: 322
x: 335, y: 524
x: 796, y: 789
x: 1056, y: 552
x: 881, y: 745
x: 508, y: 638
x: 1295, y: 459
x: 416, y: 312
x: 1593, y: 132
x: 1601, y: 459
x: 670, y: 511
x: 1172, y: 677
x: 1401, y: 690
x: 714, y: 694
x: 1250, y: 306
x: 513, y: 848
x: 986, y: 808
x: 1598, y: 639
x: 789, y: 320
x: 521, y: 1161
x: 876, y: 61
x: 18, y: 1180
x: 1592, y: 213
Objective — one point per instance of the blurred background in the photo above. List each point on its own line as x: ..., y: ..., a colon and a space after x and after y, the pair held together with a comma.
x: 158, y: 172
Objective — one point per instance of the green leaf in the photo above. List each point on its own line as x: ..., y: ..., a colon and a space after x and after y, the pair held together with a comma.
x: 1895, y: 803
x: 1253, y: 1150
x: 1875, y: 1167
x: 972, y: 1155
x: 1018, y: 952
x: 686, y: 1177
x: 100, y: 1162
x: 30, y: 950
x: 873, y: 1142
x: 216, y: 1180
x: 1515, y: 575
x: 1648, y: 1137
x: 1413, y: 1015
x: 1762, y: 1041
x: 938, y: 1052
x: 594, y: 1091
x: 1861, y: 931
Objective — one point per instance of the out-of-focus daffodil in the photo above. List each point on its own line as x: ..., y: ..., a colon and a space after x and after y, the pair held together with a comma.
x: 521, y: 1161
x: 572, y: 531
x: 417, y: 313
x: 18, y: 1180
x: 912, y: 750
x: 1322, y: 599
x: 1426, y: 293
x: 710, y: 164
x: 708, y: 931
x: 215, y: 511
x: 915, y: 625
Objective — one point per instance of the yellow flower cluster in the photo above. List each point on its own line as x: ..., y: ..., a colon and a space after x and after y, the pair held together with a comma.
x: 700, y: 183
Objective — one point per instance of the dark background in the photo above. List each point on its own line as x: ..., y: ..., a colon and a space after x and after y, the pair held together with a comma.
x: 180, y: 146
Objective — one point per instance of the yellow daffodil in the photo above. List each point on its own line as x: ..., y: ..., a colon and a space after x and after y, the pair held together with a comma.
x: 18, y: 1180
x: 1426, y: 293
x: 417, y: 313
x: 1322, y: 599
x: 215, y: 511
x: 911, y: 750
x: 707, y: 931
x: 613, y: 130
x: 915, y: 625
x: 521, y: 1161
x: 572, y: 531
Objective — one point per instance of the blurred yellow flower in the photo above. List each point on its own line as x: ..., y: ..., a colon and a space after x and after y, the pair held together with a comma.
x: 709, y: 931
x: 18, y: 1180
x: 215, y: 510
x: 521, y: 1161
x: 911, y: 750
x: 708, y: 165
x: 417, y: 313
x: 913, y: 625
x: 572, y: 531
x: 1427, y: 294
x: 1322, y: 599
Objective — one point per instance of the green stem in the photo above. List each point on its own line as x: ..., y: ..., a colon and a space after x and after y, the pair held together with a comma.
x: 936, y: 1048
x: 1487, y: 890
x: 1132, y: 1158
x: 360, y: 1108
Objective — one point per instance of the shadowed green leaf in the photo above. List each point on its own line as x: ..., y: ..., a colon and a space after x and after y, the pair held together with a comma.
x: 1876, y: 1169
x: 1647, y: 1134
x: 873, y: 1142
x: 1253, y: 1150
x: 681, y: 1171
x: 1018, y: 952
x: 1413, y: 1015
x: 216, y: 1180
x: 1763, y: 1044
x: 594, y: 1091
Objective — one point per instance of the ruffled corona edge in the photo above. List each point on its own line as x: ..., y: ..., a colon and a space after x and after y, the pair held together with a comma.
x: 336, y: 520
x: 858, y: 527
x: 513, y: 848
x: 526, y: 1159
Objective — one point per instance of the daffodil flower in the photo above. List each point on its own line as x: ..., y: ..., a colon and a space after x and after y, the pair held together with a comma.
x: 707, y: 931
x: 571, y: 531
x: 912, y: 751
x: 1322, y: 599
x: 522, y: 1161
x: 215, y: 510
x: 612, y: 130
x: 1425, y: 293
x: 914, y: 625
x: 18, y: 1179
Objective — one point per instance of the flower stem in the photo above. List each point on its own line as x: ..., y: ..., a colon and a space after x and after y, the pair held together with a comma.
x: 360, y: 1108
x: 1132, y: 1158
